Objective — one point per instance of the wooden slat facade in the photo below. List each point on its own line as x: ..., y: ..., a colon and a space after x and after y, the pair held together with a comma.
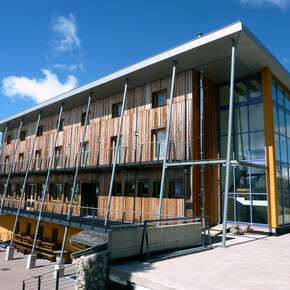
x: 142, y: 117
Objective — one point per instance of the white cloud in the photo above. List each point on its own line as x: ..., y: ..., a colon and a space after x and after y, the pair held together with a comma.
x: 66, y: 33
x: 285, y: 61
x: 37, y: 90
x: 280, y: 3
x: 71, y: 67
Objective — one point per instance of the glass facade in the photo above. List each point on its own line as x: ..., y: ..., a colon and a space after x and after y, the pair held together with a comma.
x: 247, y: 191
x: 281, y: 111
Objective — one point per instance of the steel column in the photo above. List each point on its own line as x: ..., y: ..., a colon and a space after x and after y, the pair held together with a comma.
x: 167, y: 140
x: 76, y: 177
x: 11, y: 166
x: 47, y: 178
x: 116, y: 152
x: 228, y: 159
x: 202, y: 144
x: 3, y: 139
x: 25, y: 178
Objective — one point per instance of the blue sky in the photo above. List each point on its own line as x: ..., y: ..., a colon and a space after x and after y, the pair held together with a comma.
x: 49, y: 47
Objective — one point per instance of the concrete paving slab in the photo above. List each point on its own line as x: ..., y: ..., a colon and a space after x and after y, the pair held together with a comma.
x: 251, y: 261
x: 13, y: 272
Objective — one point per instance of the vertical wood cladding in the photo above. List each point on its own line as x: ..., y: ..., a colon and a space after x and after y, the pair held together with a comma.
x: 139, y: 115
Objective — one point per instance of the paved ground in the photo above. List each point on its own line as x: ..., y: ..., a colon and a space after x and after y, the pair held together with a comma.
x: 251, y: 261
x: 13, y: 272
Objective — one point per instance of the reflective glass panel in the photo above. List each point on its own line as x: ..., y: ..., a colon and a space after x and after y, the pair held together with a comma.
x: 243, y: 204
x: 285, y: 185
x: 280, y: 96
x: 288, y: 124
x: 276, y: 124
x: 256, y: 117
x: 283, y: 148
x: 241, y: 119
x: 274, y: 91
x: 231, y: 207
x: 242, y: 179
x: 258, y: 180
x: 242, y: 146
x: 224, y: 144
x: 282, y: 125
x: 280, y: 209
x: 224, y: 120
x: 277, y: 147
x: 255, y: 88
x: 259, y: 207
x: 240, y: 92
x: 279, y: 180
x: 223, y: 178
x: 257, y: 145
x: 224, y: 95
x: 286, y: 204
x: 287, y: 101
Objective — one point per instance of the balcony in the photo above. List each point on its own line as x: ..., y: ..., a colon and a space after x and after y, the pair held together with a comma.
x: 130, y: 155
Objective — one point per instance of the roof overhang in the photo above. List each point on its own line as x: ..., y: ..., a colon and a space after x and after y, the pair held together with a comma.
x: 210, y: 53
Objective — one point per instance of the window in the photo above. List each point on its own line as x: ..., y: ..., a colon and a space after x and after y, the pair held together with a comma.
x: 6, y: 165
x: 85, y: 153
x: 39, y: 131
x: 117, y: 188
x: 84, y: 118
x: 2, y: 187
x: 61, y: 125
x: 21, y: 160
x: 56, y: 191
x: 58, y: 157
x: 22, y: 135
x: 11, y: 190
x: 143, y: 189
x: 130, y: 188
x: 116, y: 110
x: 159, y: 98
x: 159, y: 143
x: 40, y: 191
x: 8, y: 139
x: 68, y: 190
x: 17, y: 228
x: 18, y: 190
x: 40, y: 232
x: 156, y: 189
x: 113, y: 145
x: 38, y: 159
x: 175, y: 189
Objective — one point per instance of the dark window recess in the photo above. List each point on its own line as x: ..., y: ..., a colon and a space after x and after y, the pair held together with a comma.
x: 116, y: 110
x: 22, y: 135
x: 143, y: 189
x: 117, y: 188
x: 84, y: 118
x: 39, y: 131
x: 175, y: 189
x: 130, y: 188
x: 61, y: 125
x: 40, y: 232
x: 56, y: 191
x: 8, y: 139
x: 54, y: 235
x: 17, y: 228
x: 159, y: 98
x: 156, y: 189
x: 28, y: 228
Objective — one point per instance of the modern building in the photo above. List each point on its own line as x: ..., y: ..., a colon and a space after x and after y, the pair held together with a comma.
x: 151, y: 141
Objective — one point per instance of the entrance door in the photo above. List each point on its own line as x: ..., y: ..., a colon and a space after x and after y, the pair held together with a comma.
x: 30, y: 196
x: 90, y: 198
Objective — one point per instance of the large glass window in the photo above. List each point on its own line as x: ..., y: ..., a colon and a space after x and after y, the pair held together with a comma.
x: 248, y: 196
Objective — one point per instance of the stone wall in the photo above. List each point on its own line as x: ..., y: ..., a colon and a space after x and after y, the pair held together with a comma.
x: 92, y: 272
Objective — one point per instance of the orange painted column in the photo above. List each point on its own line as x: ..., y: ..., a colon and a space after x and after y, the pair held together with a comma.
x: 270, y: 149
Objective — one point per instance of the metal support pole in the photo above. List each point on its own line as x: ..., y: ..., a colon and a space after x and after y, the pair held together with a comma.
x: 166, y: 141
x: 11, y: 166
x: 228, y: 160
x: 76, y: 177
x: 25, y: 178
x: 202, y: 144
x: 47, y: 179
x: 116, y: 152
x: 3, y: 139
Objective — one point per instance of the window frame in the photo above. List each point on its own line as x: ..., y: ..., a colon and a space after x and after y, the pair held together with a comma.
x: 83, y: 118
x: 22, y: 135
x: 140, y: 189
x: 155, y: 98
x: 52, y: 187
x: 114, y: 112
